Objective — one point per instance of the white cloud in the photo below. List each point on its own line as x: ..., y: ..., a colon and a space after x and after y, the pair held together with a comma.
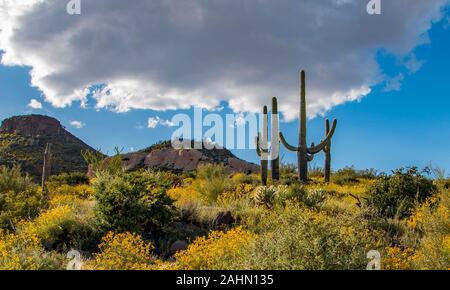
x: 77, y: 124
x: 153, y: 122
x: 35, y: 104
x: 169, y: 54
x: 394, y: 84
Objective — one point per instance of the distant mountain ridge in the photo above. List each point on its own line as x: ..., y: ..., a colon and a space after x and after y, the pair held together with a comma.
x: 163, y: 156
x: 23, y: 140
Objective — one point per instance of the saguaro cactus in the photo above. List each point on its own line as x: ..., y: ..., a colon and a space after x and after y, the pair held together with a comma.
x: 327, y: 151
x: 262, y: 146
x: 306, y: 154
x: 46, y: 166
x: 275, y: 141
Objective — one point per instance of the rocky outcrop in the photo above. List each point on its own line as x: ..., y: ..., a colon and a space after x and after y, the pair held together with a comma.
x: 23, y: 140
x: 163, y: 156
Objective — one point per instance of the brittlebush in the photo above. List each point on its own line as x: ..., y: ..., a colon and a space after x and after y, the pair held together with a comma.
x: 215, y: 251
x: 24, y: 252
x: 123, y: 251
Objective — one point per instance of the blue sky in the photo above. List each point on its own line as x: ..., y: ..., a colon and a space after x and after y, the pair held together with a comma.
x: 386, y: 129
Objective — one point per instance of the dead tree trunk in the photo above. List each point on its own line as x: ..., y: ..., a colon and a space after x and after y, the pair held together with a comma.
x: 46, y: 166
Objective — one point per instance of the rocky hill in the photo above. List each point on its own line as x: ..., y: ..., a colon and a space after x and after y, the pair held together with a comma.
x: 164, y: 156
x: 23, y: 140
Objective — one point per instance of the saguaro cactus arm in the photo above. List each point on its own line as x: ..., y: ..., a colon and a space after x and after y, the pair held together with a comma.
x: 324, y: 143
x: 259, y: 150
x: 287, y: 145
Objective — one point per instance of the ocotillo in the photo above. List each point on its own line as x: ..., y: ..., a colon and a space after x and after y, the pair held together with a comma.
x: 327, y: 151
x: 262, y: 147
x: 304, y: 153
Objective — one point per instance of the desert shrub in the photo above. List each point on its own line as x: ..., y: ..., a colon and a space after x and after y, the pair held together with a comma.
x: 396, y: 195
x: 397, y: 258
x: 431, y: 219
x: 241, y: 191
x: 242, y: 178
x: 315, y: 172
x: 308, y: 197
x: 122, y: 251
x: 19, y: 197
x: 61, y: 229
x: 347, y: 175
x: 218, y: 251
x: 268, y: 196
x: 368, y: 173
x: 288, y: 174
x: 129, y: 202
x: 83, y: 191
x: 99, y: 163
x: 212, y: 181
x: 296, y: 238
x: 25, y: 252
x: 75, y: 178
x: 12, y: 179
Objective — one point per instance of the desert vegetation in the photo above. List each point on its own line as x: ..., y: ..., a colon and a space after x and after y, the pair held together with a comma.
x: 214, y: 219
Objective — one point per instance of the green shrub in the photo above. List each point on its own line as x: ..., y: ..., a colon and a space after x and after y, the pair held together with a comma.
x: 347, y: 175
x: 311, y: 198
x: 315, y: 172
x: 295, y: 238
x: 19, y: 197
x: 12, y: 179
x: 76, y: 178
x: 213, y: 181
x: 267, y: 196
x: 131, y: 202
x: 61, y: 229
x: 396, y: 195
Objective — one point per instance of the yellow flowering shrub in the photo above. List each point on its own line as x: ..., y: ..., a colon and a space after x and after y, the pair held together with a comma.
x: 185, y: 195
x: 81, y: 190
x: 217, y: 251
x: 397, y: 259
x: 241, y: 191
x: 433, y: 220
x: 49, y: 224
x: 123, y: 251
x: 24, y: 252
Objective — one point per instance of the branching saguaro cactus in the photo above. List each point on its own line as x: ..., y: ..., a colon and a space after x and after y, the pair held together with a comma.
x: 262, y: 144
x: 327, y: 151
x: 262, y: 147
x: 306, y: 154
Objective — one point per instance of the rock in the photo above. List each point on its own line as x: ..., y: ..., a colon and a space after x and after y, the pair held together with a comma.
x: 178, y: 246
x: 163, y: 156
x: 224, y: 219
x: 133, y: 161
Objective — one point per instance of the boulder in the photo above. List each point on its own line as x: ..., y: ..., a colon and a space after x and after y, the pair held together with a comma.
x: 178, y: 246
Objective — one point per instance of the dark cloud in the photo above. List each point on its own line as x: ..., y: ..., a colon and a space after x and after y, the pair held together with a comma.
x: 169, y: 54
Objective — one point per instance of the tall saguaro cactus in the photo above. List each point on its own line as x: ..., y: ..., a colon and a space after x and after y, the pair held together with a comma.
x: 327, y: 151
x: 306, y: 154
x: 275, y: 141
x: 262, y: 146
